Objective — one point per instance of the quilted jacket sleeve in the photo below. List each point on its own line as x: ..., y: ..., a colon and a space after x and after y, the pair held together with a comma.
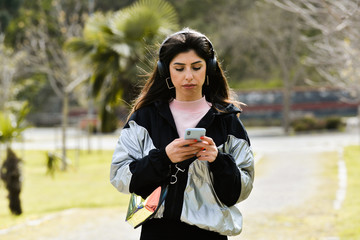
x: 137, y: 166
x: 233, y: 169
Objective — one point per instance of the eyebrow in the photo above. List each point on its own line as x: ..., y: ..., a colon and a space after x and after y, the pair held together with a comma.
x: 177, y: 63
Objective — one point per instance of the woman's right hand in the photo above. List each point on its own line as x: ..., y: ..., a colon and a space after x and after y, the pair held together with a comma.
x: 180, y: 150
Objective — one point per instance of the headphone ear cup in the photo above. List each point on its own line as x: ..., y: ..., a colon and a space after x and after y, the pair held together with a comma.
x: 212, y: 66
x: 161, y: 69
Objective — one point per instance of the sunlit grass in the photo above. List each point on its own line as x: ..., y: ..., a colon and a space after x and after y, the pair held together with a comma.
x: 85, y: 185
x: 348, y: 221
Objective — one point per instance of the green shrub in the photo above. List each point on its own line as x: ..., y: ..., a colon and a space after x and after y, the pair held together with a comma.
x: 310, y: 123
x: 307, y: 123
x: 334, y: 123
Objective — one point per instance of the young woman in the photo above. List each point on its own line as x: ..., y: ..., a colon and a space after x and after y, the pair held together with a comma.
x: 205, y: 179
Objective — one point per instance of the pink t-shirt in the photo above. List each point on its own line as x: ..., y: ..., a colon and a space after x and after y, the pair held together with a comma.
x: 187, y: 114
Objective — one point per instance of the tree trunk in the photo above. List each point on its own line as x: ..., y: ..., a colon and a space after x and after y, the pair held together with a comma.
x: 286, y: 97
x: 65, y: 111
x: 286, y: 109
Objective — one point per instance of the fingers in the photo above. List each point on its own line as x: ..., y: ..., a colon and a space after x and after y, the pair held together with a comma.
x: 207, y: 155
x: 209, y: 150
x: 209, y: 140
x: 180, y: 149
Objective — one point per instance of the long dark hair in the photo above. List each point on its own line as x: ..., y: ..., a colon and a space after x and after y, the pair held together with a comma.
x: 216, y: 92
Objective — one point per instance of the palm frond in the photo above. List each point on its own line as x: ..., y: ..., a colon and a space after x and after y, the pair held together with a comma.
x: 144, y: 19
x: 116, y: 43
x: 7, y: 128
x: 165, y: 11
x: 122, y: 49
x: 11, y: 125
x: 97, y: 81
x: 80, y: 47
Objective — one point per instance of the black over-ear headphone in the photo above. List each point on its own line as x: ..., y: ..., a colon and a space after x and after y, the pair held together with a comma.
x: 211, y: 63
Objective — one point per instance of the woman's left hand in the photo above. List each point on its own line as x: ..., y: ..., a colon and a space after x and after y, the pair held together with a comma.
x: 209, y: 150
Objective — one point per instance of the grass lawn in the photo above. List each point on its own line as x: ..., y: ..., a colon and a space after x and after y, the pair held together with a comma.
x: 348, y: 221
x: 85, y: 185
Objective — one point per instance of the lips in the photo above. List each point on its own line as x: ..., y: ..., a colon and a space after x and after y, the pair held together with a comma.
x: 189, y: 85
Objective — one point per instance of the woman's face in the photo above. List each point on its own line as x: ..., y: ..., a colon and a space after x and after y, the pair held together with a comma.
x: 187, y: 73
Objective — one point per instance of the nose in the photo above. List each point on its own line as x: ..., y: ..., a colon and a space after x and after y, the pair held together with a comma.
x: 188, y: 75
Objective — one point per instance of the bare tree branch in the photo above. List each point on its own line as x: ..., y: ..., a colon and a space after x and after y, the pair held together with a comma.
x: 335, y: 52
x: 46, y: 55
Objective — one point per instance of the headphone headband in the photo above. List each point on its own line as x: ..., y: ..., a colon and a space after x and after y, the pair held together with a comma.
x: 189, y: 32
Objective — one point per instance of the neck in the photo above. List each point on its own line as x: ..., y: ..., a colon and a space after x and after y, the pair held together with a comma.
x: 189, y: 98
x: 190, y: 105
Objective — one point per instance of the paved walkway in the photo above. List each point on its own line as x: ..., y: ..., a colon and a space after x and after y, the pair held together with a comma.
x: 286, y: 175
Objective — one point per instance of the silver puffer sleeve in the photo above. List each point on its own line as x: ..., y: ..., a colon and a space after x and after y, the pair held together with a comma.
x: 134, y: 143
x: 244, y: 159
x: 202, y: 207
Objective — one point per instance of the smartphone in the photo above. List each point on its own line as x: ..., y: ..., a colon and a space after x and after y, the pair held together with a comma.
x: 195, y: 133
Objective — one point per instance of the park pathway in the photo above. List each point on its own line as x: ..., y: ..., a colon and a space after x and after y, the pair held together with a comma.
x: 288, y: 175
x: 285, y: 180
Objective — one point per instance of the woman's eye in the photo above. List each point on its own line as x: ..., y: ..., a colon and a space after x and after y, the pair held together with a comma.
x: 196, y: 68
x: 179, y: 69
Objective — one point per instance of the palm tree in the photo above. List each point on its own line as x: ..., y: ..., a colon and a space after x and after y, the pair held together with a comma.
x: 11, y: 125
x: 115, y: 46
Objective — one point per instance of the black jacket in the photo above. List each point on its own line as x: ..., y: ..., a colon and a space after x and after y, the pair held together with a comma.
x: 158, y: 120
x: 140, y: 165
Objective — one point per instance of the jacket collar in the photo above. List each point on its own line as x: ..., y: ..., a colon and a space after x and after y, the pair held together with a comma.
x: 165, y: 112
